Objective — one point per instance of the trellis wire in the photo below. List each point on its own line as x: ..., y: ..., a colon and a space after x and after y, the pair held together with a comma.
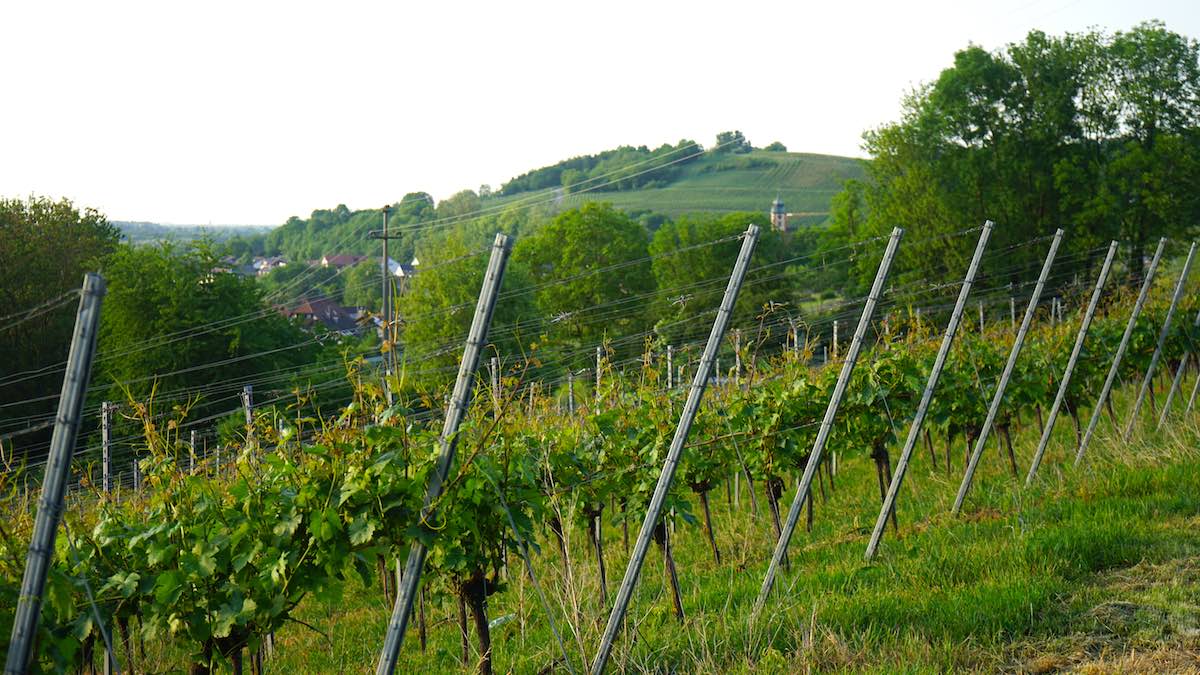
x: 1075, y: 351
x: 1116, y: 362
x: 1162, y: 340
x: 835, y: 401
x: 448, y: 442
x: 699, y: 384
x: 998, y: 397
x: 914, y: 431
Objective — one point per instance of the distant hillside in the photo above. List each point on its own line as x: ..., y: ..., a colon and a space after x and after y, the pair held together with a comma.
x: 141, y: 232
x: 632, y: 179
x: 747, y: 182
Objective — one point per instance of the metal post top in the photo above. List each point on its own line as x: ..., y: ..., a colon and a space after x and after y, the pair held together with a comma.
x: 502, y: 240
x: 94, y: 284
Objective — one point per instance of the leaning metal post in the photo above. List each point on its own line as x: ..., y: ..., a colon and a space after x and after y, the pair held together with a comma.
x: 835, y: 402
x: 1116, y: 363
x: 914, y: 430
x: 1075, y: 351
x: 1175, y: 382
x: 994, y: 408
x: 58, y: 471
x: 1162, y: 341
x: 448, y: 443
x: 699, y: 383
x: 1179, y: 378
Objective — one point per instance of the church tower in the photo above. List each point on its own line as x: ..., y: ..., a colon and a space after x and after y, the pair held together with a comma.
x: 778, y: 216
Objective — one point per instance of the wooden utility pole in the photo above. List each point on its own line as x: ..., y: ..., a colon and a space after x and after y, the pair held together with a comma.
x: 106, y: 409
x: 386, y: 310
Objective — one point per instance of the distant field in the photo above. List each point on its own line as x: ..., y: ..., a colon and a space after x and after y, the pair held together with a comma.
x: 805, y: 182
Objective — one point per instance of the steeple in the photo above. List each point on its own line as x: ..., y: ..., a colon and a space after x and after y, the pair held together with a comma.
x: 778, y: 215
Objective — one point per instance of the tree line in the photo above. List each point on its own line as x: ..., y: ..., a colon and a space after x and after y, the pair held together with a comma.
x: 1095, y: 132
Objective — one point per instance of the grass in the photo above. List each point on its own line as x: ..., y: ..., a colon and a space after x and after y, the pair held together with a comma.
x: 805, y: 182
x: 1093, y: 570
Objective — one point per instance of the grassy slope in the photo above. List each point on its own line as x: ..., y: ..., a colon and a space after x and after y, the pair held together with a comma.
x: 805, y: 182
x: 1092, y: 568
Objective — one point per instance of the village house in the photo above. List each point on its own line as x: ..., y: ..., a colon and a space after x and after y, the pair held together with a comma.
x: 333, y: 316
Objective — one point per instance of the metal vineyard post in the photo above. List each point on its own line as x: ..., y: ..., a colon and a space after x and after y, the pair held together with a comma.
x: 835, y: 402
x: 994, y: 408
x: 1162, y: 341
x: 58, y: 471
x: 699, y: 382
x: 914, y: 430
x: 1116, y: 363
x: 448, y: 442
x: 1075, y: 351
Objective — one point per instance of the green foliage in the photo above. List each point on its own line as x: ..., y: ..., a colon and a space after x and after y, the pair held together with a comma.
x: 234, y: 235
x: 1092, y: 131
x: 158, y: 292
x: 46, y: 246
x: 282, y: 283
x: 732, y: 142
x: 437, y: 309
x: 685, y: 256
x: 625, y: 168
x: 210, y: 563
x: 340, y: 231
x: 362, y: 285
x: 600, y: 253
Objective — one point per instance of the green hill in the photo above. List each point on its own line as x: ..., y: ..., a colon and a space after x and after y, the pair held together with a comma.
x: 727, y: 182
x: 805, y: 182
x: 671, y: 180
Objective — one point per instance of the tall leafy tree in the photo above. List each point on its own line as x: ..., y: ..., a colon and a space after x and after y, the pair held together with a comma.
x: 435, y: 312
x: 591, y: 275
x: 46, y: 246
x: 170, y: 322
x: 1093, y: 131
x: 693, y: 258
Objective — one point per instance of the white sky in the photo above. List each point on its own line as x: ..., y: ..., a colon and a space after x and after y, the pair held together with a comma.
x: 250, y: 112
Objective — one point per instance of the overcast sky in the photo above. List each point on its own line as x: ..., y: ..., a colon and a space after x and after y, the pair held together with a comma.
x: 250, y: 112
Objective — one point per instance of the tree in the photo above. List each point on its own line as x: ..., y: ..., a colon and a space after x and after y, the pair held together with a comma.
x: 459, y: 204
x: 435, y: 313
x: 848, y: 224
x: 414, y: 207
x: 589, y: 267
x: 46, y: 246
x: 776, y: 146
x: 732, y: 142
x: 1092, y: 130
x: 690, y: 271
x: 364, y: 288
x: 297, y: 280
x: 170, y: 323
